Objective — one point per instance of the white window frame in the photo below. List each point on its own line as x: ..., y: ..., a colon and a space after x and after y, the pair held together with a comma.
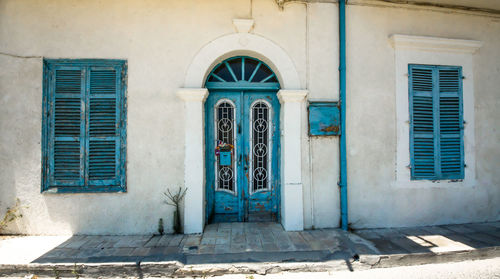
x: 433, y: 51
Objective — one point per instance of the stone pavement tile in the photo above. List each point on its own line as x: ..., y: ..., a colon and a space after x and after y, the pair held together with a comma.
x: 222, y: 249
x: 161, y: 251
x: 238, y: 247
x: 224, y: 239
x: 206, y: 249
x: 192, y: 240
x: 283, y: 242
x: 359, y: 244
x: 410, y: 245
x: 118, y: 252
x: 267, y: 236
x: 132, y: 241
x: 253, y: 228
x: 238, y: 237
x: 224, y: 227
x: 108, y: 241
x: 388, y: 233
x: 385, y: 246
x: 437, y: 230
x: 458, y: 228
x: 237, y: 227
x: 485, y: 228
x: 88, y: 253
x: 207, y: 240
x: 299, y: 242
x: 253, y: 241
x: 441, y: 243
x: 211, y: 228
x: 74, y: 242
x: 153, y: 241
x: 486, y: 238
x: 164, y: 240
x: 494, y: 224
x: 141, y: 252
x: 270, y: 247
x: 368, y: 234
x: 177, y: 239
x: 467, y: 242
x: 312, y: 241
x: 94, y: 241
x: 61, y: 253
x: 413, y: 231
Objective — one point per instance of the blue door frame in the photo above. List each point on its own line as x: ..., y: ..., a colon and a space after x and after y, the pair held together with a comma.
x: 251, y: 191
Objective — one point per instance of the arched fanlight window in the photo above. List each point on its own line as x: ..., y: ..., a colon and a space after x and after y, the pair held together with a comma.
x: 242, y: 71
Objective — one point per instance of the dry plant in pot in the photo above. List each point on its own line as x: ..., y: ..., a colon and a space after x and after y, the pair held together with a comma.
x: 175, y: 200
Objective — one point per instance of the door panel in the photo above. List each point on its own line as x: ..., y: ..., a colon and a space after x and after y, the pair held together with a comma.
x: 246, y: 187
x: 261, y: 147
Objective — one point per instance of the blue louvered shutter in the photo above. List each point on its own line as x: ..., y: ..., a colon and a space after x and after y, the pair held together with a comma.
x: 450, y: 123
x: 103, y: 134
x: 66, y: 122
x: 422, y: 140
x: 436, y: 122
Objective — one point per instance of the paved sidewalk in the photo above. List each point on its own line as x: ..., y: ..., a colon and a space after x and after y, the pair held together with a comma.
x: 245, y: 248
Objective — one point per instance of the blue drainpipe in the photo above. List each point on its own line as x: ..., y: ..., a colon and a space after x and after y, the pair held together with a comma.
x: 343, y: 149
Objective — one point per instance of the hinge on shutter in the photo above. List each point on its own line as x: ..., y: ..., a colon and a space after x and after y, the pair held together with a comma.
x: 465, y: 165
x: 409, y: 166
x: 463, y: 77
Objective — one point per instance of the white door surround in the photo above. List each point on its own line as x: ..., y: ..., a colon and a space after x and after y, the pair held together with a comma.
x: 291, y: 97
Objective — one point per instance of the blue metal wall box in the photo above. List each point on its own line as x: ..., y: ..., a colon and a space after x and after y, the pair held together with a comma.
x: 225, y: 158
x: 324, y: 119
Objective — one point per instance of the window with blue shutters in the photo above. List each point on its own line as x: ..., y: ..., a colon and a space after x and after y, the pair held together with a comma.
x: 436, y: 122
x: 84, y: 121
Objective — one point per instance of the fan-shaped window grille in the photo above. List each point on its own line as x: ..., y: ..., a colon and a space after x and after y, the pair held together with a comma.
x: 242, y: 71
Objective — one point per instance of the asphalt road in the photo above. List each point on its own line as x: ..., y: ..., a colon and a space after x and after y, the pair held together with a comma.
x: 468, y: 269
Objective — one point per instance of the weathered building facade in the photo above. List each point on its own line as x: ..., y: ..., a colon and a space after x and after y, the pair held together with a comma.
x: 104, y: 105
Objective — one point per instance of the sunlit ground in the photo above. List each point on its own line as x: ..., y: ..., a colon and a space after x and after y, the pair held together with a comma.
x: 25, y: 249
x: 439, y: 243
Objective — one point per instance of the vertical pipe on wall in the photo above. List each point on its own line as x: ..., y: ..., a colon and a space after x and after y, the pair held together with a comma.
x: 343, y: 149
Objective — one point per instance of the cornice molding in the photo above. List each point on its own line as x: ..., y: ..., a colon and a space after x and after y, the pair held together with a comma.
x: 423, y: 43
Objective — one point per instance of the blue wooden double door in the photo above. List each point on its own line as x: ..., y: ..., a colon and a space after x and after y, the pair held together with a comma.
x: 242, y: 155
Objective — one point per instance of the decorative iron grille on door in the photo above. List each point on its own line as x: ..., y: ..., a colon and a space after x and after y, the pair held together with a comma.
x: 225, y: 123
x: 260, y: 142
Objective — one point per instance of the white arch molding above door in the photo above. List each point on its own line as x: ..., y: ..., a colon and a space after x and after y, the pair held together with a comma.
x: 242, y: 44
x: 291, y: 97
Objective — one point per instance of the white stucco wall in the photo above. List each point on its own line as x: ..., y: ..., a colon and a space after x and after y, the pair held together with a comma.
x: 375, y: 198
x: 159, y: 39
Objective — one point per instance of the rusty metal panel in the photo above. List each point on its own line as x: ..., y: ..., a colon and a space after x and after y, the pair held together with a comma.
x: 324, y: 119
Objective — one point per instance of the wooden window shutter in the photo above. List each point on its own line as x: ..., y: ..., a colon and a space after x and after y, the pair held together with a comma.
x: 103, y: 133
x: 84, y: 121
x: 66, y: 137
x: 451, y: 123
x: 436, y: 122
x: 422, y: 126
